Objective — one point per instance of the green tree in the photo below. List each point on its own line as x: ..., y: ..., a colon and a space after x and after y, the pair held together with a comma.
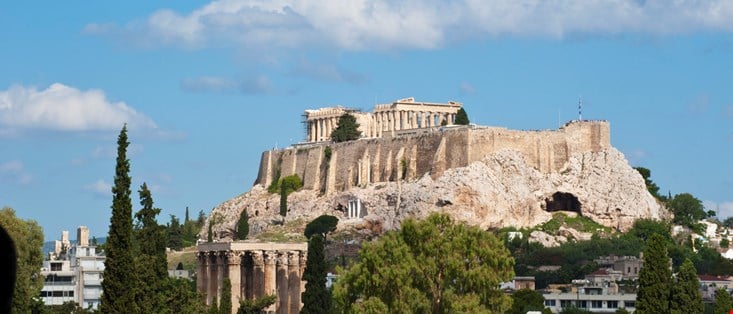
x: 175, y: 234
x: 225, y: 303
x: 27, y: 236
x: 687, y: 209
x: 186, y: 220
x: 321, y: 225
x: 180, y: 297
x: 242, y: 226
x: 723, y: 301
x: 724, y: 243
x: 347, y: 129
x: 120, y: 282
x: 151, y: 260
x: 256, y: 306
x: 434, y: 265
x: 650, y: 185
x: 288, y: 185
x: 462, y: 117
x: 525, y: 300
x: 686, y: 296
x: 654, y: 278
x: 316, y: 297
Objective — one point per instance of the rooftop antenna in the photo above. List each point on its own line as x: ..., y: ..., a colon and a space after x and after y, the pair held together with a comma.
x: 580, y: 108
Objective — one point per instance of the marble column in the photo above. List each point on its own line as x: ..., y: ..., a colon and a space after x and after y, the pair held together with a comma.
x: 312, y: 134
x: 422, y: 119
x: 248, y: 275
x: 270, y: 272
x: 413, y: 123
x: 282, y: 283
x: 234, y: 263
x: 201, y: 272
x: 220, y: 270
x: 212, y: 278
x: 294, y: 281
x: 258, y: 284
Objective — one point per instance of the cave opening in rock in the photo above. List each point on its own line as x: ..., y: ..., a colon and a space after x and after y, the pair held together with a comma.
x: 561, y: 201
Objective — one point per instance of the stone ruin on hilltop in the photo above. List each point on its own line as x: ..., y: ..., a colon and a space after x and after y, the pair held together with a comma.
x: 412, y: 160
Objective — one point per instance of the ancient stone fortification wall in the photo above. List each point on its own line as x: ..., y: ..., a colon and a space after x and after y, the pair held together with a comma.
x: 430, y: 151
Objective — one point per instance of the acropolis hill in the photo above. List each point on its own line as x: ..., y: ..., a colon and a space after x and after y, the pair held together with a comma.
x: 412, y: 160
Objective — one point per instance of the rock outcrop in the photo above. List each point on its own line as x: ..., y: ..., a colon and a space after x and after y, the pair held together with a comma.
x: 500, y: 190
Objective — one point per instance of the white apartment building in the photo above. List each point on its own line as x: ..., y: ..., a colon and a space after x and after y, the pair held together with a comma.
x: 73, y: 272
x: 594, y: 297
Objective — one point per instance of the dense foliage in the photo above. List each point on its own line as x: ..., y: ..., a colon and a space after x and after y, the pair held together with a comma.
x: 150, y: 258
x: 225, y: 302
x: 321, y: 225
x: 654, y: 278
x: 242, y: 226
x: 316, y: 297
x: 685, y: 297
x: 433, y: 265
x: 257, y: 306
x: 347, y: 129
x: 723, y: 301
x: 525, y: 300
x: 27, y: 236
x: 120, y: 283
x: 462, y: 117
x: 687, y: 209
x: 288, y: 185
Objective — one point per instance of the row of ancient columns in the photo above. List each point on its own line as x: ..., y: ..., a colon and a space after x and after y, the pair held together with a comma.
x: 396, y: 120
x: 253, y: 274
x: 320, y: 128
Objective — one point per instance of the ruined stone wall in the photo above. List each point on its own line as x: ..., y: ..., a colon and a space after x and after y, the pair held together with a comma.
x: 411, y: 156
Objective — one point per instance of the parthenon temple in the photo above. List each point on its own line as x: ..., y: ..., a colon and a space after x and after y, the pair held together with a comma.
x: 403, y: 114
x: 254, y: 270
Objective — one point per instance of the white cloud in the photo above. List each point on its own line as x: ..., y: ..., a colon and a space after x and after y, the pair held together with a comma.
x: 387, y: 25
x: 65, y: 108
x: 14, y: 171
x: 724, y: 209
x: 100, y: 188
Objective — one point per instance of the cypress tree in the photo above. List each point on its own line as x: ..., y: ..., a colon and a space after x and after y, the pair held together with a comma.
x: 152, y: 263
x: 723, y: 301
x: 225, y: 304
x: 686, y: 296
x: 185, y: 221
x: 316, y: 297
x: 119, y: 284
x: 346, y: 130
x: 654, y: 278
x: 242, y: 226
x: 462, y: 117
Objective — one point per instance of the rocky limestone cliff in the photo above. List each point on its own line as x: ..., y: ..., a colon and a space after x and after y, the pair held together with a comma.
x: 498, y: 191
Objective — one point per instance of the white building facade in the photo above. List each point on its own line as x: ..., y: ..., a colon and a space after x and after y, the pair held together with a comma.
x: 73, y: 273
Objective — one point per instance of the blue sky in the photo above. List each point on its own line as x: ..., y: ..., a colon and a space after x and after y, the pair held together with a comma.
x: 205, y: 87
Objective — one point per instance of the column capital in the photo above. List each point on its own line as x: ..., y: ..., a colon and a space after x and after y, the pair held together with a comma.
x: 293, y: 258
x: 270, y: 257
x: 303, y: 257
x: 234, y: 257
x: 257, y: 258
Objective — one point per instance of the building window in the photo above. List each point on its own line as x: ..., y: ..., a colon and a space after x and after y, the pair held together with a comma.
x: 596, y: 304
x: 628, y: 270
x: 566, y: 303
x: 612, y: 304
x: 55, y: 266
x: 550, y: 303
x: 636, y: 270
x: 629, y: 304
x: 583, y: 304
